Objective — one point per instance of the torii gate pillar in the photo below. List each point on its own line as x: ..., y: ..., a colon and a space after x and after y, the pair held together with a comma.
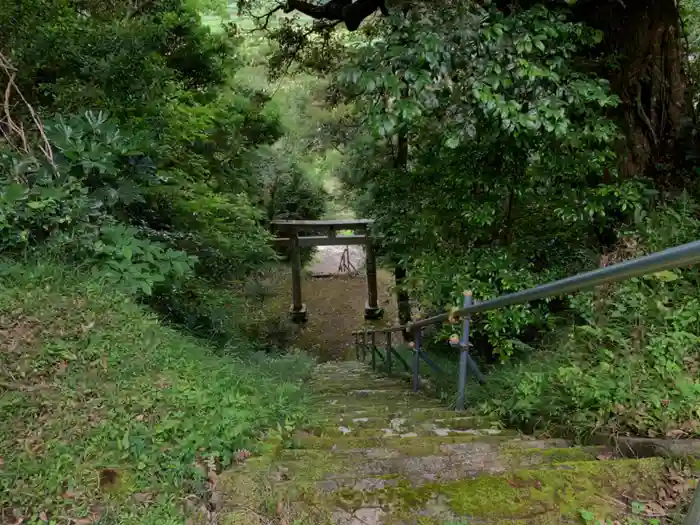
x: 298, y: 310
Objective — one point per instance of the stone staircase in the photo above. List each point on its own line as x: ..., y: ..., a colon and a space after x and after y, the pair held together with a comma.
x: 381, y: 454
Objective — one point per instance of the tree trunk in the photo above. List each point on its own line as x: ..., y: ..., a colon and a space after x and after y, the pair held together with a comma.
x: 643, y: 53
x: 402, y: 299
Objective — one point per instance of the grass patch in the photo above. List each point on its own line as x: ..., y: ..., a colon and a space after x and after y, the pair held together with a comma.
x: 110, y: 416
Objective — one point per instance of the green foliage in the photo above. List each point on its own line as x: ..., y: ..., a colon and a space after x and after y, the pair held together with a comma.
x: 119, y: 61
x: 293, y: 196
x: 177, y: 158
x: 508, y: 160
x: 629, y: 364
x: 135, y: 264
x: 75, y: 204
x: 223, y: 316
x: 92, y: 385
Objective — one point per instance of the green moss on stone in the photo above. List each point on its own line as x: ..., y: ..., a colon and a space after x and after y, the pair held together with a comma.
x: 554, y: 493
x: 532, y: 496
x: 320, y: 476
x: 522, y: 457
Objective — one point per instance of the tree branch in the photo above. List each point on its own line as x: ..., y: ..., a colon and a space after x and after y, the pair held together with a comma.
x: 267, y: 16
x: 17, y: 130
x: 351, y: 12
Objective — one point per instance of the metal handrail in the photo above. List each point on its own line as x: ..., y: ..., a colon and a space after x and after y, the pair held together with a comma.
x: 683, y: 255
x: 668, y: 259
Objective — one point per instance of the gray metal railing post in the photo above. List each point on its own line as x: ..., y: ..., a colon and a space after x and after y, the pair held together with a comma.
x: 416, y: 360
x: 463, y: 355
x: 388, y: 353
x: 373, y: 347
x: 364, y: 346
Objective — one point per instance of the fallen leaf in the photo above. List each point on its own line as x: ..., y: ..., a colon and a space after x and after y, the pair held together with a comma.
x: 675, y: 476
x: 654, y: 509
x: 104, y: 363
x: 140, y: 417
x: 213, y: 478
x: 604, y: 457
x: 515, y: 483
x: 675, y: 434
x: 43, y: 516
x: 85, y: 521
x: 142, y: 497
x: 242, y: 455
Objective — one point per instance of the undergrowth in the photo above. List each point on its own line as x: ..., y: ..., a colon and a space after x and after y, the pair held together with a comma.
x: 629, y: 361
x: 110, y: 416
x: 621, y: 359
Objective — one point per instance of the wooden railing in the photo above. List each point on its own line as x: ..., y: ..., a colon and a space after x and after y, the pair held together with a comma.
x: 366, y: 340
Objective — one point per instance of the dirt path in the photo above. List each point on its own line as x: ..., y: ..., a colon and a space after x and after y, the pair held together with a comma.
x: 327, y: 260
x: 335, y: 302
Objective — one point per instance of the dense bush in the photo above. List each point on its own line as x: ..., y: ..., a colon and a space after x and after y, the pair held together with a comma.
x: 290, y: 194
x: 484, y: 156
x: 227, y: 314
x: 164, y: 178
x: 629, y: 363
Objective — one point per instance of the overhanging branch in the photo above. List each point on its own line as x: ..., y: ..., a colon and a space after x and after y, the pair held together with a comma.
x: 351, y: 12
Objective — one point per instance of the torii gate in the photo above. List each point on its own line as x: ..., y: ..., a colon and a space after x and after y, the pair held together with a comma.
x: 330, y: 228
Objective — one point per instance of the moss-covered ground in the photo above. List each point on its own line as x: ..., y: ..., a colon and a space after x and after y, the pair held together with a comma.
x: 382, y: 455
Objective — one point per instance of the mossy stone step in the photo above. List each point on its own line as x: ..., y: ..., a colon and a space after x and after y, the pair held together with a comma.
x: 418, y: 431
x: 532, y: 496
x: 543, y: 494
x: 342, y: 385
x: 447, y: 467
x: 409, y: 413
x: 420, y: 445
x: 401, y: 423
x: 350, y: 406
x: 524, y: 451
x: 372, y: 468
